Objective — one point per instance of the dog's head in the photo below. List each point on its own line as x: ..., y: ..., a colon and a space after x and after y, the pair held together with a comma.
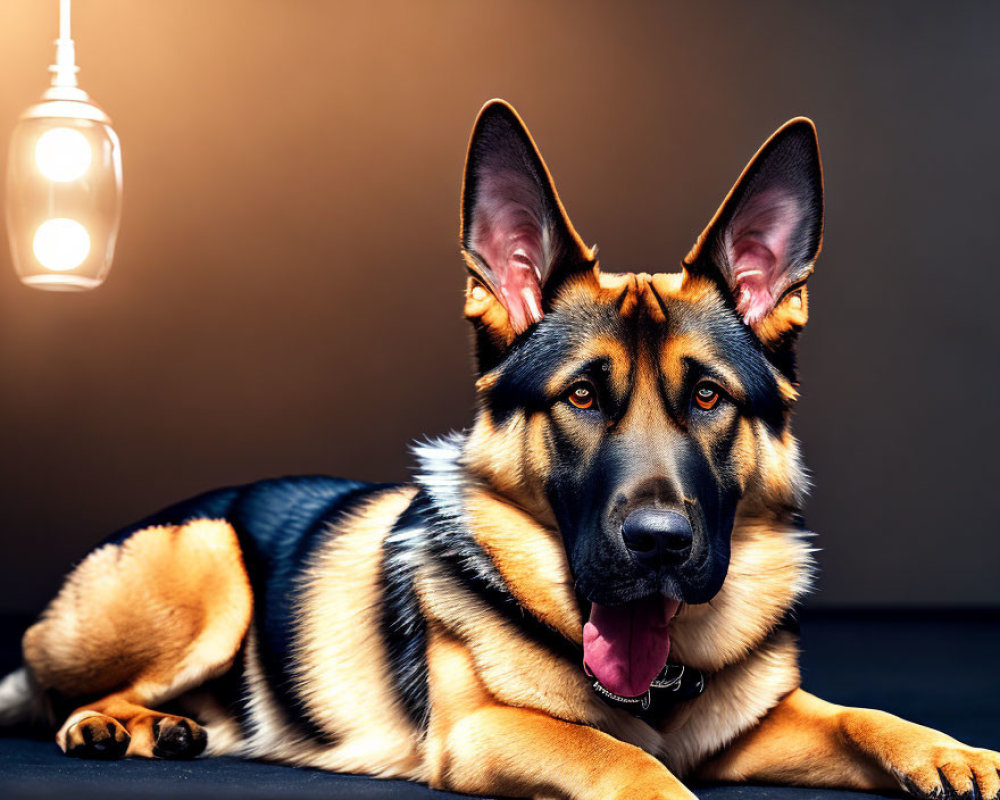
x: 636, y: 413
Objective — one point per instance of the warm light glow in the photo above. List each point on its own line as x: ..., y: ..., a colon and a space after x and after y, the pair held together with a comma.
x: 62, y: 154
x: 61, y: 244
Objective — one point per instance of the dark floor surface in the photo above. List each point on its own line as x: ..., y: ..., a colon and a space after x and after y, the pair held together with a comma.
x: 939, y: 669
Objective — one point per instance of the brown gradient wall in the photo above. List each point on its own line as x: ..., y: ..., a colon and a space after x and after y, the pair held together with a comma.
x: 286, y: 296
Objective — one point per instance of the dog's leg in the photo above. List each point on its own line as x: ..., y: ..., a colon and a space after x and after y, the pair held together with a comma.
x: 116, y: 727
x: 519, y: 752
x: 140, y: 623
x: 807, y: 741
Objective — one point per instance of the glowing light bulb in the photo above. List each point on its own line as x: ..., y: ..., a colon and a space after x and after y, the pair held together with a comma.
x: 62, y: 154
x: 63, y: 199
x: 61, y: 244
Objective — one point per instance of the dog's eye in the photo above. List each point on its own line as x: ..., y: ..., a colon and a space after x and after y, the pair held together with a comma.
x: 581, y: 395
x: 706, y: 396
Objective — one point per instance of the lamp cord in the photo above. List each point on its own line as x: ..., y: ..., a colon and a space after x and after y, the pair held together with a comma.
x: 64, y: 11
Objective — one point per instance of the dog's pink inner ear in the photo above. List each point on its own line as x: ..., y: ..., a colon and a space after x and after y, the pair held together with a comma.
x: 509, y: 233
x: 757, y: 245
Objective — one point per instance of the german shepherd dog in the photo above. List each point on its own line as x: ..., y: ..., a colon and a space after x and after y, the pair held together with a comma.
x: 585, y: 595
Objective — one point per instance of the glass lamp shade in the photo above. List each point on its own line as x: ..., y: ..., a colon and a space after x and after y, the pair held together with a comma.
x: 64, y: 192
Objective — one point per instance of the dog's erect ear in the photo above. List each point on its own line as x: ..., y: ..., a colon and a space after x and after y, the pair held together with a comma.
x: 517, y: 240
x: 763, y: 240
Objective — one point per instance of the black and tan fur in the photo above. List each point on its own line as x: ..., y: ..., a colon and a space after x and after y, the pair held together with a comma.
x: 433, y: 631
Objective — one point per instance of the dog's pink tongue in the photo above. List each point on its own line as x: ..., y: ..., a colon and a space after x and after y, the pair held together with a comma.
x: 625, y: 647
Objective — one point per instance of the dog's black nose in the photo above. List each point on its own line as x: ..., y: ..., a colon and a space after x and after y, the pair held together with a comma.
x: 657, y: 538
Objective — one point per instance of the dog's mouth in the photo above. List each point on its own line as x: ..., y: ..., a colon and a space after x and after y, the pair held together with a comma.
x: 625, y: 647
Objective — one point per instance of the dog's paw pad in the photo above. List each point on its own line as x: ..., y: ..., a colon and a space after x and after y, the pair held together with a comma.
x: 178, y: 737
x: 97, y: 737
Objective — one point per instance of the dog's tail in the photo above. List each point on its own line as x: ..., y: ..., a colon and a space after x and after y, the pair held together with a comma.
x: 18, y: 700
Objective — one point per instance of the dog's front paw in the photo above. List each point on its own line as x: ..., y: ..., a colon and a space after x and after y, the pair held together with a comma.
x: 951, y: 771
